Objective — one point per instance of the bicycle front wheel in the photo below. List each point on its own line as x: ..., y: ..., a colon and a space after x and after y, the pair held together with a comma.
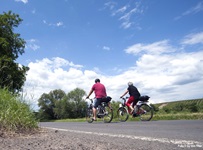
x: 122, y: 114
x: 145, y: 112
x: 89, y: 115
x: 108, y: 114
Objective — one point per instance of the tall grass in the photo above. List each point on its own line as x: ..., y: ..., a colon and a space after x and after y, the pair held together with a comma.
x: 15, y: 115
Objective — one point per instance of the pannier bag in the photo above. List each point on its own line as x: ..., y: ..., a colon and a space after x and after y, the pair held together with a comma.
x: 144, y: 98
x: 106, y: 99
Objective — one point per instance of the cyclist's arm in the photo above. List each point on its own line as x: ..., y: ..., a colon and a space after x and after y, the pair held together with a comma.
x: 90, y: 93
x: 124, y: 93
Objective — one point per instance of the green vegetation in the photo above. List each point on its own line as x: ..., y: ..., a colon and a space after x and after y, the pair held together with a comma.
x: 15, y: 115
x: 12, y: 75
x: 59, y: 105
x: 190, y: 110
x: 185, y: 109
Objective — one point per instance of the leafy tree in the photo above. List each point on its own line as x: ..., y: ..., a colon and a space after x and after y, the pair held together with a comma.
x: 78, y: 106
x: 48, y: 103
x: 12, y: 75
x: 58, y: 105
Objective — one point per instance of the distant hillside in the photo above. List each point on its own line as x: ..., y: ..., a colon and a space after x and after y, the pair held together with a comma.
x: 193, y: 105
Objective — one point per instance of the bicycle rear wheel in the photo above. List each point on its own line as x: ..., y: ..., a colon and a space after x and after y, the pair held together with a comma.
x: 89, y: 115
x: 108, y: 114
x: 145, y: 112
x: 122, y: 114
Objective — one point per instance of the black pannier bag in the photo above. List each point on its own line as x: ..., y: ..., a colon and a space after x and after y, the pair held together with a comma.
x: 106, y: 99
x: 144, y: 98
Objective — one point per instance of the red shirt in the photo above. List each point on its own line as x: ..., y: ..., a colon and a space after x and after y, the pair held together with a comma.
x: 99, y: 90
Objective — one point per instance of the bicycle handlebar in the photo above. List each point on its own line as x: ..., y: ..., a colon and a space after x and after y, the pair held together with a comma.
x: 90, y: 99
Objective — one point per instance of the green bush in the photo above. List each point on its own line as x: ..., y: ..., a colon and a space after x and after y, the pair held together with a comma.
x: 15, y: 115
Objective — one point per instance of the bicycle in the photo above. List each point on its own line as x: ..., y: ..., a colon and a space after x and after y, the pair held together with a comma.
x: 103, y: 111
x: 142, y: 110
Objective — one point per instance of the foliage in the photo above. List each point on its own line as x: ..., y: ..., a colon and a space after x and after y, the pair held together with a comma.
x: 155, y: 108
x: 48, y: 102
x: 58, y: 105
x: 12, y: 75
x: 15, y: 115
x: 61, y: 106
x: 192, y: 106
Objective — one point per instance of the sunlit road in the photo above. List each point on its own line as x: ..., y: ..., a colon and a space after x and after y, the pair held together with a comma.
x: 182, y: 134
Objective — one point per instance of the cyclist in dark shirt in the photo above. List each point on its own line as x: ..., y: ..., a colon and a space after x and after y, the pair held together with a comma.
x: 134, y: 96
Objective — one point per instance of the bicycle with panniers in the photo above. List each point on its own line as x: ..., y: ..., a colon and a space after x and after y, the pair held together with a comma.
x: 104, y: 111
x: 142, y: 109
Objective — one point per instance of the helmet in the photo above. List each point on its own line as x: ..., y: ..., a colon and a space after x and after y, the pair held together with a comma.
x: 97, y: 80
x: 130, y: 83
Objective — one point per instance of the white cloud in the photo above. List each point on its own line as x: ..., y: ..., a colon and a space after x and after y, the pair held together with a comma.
x: 121, y: 10
x: 33, y: 11
x: 193, y: 10
x: 125, y: 13
x: 31, y: 44
x: 110, y: 5
x: 159, y: 73
x: 154, y: 48
x: 58, y: 24
x: 24, y: 1
x: 106, y: 48
x: 162, y: 77
x: 192, y: 39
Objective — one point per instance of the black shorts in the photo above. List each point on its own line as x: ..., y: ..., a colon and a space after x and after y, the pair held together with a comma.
x: 100, y: 100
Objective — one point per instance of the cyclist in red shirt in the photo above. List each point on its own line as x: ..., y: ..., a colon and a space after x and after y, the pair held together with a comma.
x: 100, y: 92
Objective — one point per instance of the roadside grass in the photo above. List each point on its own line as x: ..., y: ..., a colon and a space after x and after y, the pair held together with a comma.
x: 156, y: 117
x: 15, y: 115
x: 179, y: 116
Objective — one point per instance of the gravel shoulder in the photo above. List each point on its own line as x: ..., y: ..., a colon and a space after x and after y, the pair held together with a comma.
x: 52, y: 140
x: 60, y: 140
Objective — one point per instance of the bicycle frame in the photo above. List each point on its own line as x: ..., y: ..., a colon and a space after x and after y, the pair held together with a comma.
x: 102, y: 112
x: 139, y: 110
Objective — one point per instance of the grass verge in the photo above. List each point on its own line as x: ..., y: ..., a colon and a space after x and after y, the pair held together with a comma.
x: 15, y: 115
x: 180, y: 116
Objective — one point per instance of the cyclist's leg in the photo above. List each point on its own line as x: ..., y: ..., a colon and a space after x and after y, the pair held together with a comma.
x: 94, y: 109
x: 97, y: 103
x: 128, y: 104
x: 134, y: 105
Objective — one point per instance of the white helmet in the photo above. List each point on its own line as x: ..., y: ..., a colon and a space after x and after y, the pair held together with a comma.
x: 130, y: 83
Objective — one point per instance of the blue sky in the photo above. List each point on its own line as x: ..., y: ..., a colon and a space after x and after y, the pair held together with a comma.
x: 156, y: 44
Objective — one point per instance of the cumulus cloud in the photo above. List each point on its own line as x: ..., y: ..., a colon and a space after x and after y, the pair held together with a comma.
x: 161, y: 71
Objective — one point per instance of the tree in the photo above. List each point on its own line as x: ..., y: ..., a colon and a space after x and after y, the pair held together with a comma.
x: 58, y: 105
x: 48, y: 102
x: 12, y: 75
x: 78, y: 105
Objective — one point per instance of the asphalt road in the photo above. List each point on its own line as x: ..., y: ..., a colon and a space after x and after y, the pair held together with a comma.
x: 181, y: 134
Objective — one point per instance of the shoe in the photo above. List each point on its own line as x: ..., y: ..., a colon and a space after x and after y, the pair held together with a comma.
x: 143, y: 112
x: 94, y: 119
x: 131, y: 112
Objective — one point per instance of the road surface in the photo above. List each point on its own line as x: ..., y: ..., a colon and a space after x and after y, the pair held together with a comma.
x: 181, y: 134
